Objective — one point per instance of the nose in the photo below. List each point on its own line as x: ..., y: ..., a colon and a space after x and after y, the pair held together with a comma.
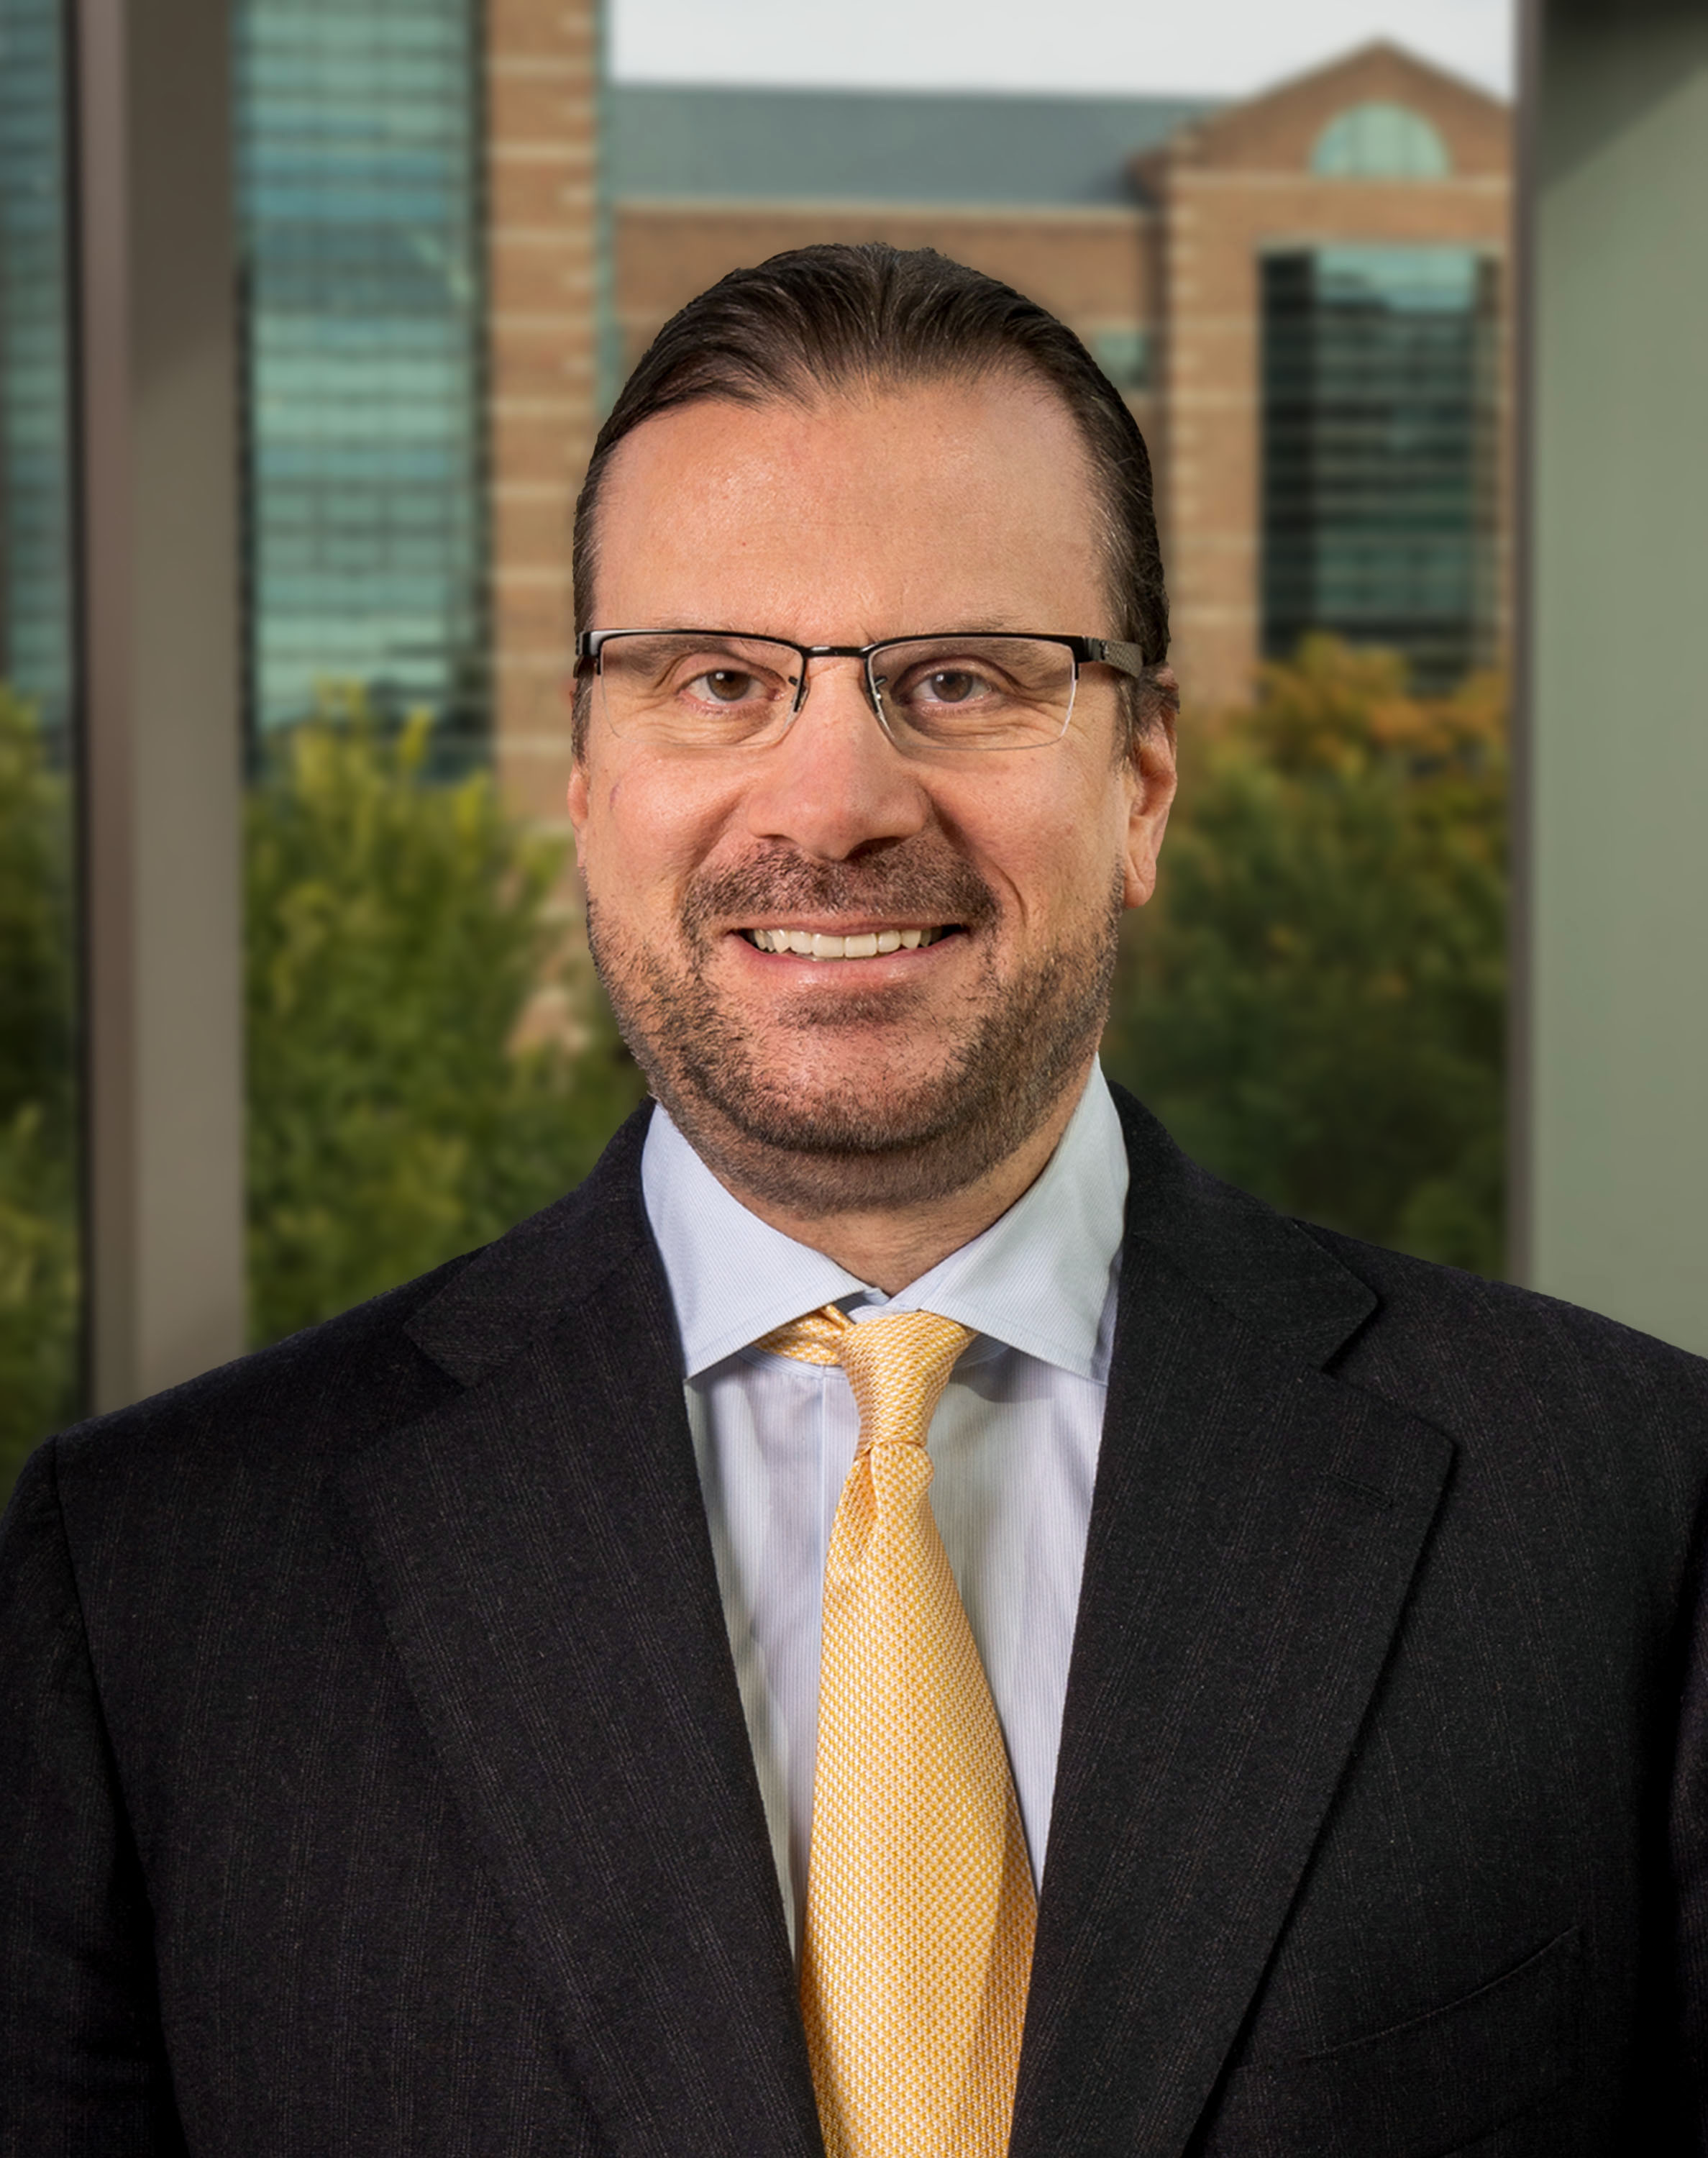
x: 836, y: 782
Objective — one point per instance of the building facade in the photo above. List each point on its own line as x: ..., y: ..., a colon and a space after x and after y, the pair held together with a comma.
x: 547, y: 278
x: 454, y: 241
x: 1331, y: 273
x: 1303, y: 296
x: 358, y: 145
x: 38, y: 465
x: 419, y: 237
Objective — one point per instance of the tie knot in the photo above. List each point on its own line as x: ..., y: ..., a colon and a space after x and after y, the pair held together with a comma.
x: 897, y: 1367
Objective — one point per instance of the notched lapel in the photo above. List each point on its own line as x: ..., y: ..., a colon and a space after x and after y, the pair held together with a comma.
x: 540, y: 1552
x: 1255, y: 1531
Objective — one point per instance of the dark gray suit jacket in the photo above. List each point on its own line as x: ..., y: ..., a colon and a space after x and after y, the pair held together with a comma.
x: 375, y: 1782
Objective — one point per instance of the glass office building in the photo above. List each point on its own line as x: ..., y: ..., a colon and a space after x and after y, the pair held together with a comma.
x: 37, y: 522
x: 358, y: 164
x: 1379, y: 463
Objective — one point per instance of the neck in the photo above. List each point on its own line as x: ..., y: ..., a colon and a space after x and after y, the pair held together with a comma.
x: 890, y: 1246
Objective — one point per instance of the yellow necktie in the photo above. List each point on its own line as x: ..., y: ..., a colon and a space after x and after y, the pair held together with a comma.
x: 917, y: 1944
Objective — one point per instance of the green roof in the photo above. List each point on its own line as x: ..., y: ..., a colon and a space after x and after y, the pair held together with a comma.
x: 880, y: 145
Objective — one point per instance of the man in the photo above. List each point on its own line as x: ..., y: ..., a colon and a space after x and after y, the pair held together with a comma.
x: 553, y: 1708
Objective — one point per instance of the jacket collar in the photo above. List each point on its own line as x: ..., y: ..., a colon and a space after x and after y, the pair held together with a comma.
x: 545, y: 1268
x: 1259, y: 1268
x: 1247, y: 1259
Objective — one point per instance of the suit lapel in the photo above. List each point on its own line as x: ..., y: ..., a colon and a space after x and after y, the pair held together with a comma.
x: 541, y: 1553
x: 1254, y: 1534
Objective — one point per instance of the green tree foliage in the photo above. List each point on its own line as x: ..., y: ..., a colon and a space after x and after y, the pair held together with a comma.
x: 1315, y: 1003
x: 399, y: 936
x: 39, y: 1285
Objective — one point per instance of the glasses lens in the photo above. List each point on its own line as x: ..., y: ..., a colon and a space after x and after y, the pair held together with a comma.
x: 697, y: 690
x: 975, y: 692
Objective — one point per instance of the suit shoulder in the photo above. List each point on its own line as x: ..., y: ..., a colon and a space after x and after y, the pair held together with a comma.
x: 321, y: 1391
x: 275, y: 1422
x: 1459, y: 1346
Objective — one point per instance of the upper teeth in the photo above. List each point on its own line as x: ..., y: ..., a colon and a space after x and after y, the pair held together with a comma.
x: 811, y: 946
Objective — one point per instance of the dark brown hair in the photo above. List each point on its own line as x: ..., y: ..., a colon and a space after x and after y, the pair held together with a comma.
x: 843, y: 318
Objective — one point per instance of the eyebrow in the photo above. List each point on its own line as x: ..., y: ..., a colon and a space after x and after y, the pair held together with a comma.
x: 983, y: 626
x: 979, y: 626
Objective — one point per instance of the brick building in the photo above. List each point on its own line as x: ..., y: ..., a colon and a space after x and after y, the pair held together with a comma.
x: 544, y: 273
x: 1302, y: 295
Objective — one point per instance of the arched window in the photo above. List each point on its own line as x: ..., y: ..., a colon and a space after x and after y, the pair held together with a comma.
x: 1378, y: 141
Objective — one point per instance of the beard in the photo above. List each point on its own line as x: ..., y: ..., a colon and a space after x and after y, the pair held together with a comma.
x: 996, y: 1067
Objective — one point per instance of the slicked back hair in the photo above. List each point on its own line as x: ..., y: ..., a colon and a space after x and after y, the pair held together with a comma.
x: 832, y: 319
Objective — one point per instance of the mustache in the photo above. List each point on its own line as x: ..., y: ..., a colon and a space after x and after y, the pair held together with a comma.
x: 931, y: 886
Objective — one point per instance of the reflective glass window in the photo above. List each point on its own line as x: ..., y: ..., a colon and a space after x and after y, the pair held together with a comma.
x: 1380, y: 414
x: 358, y: 145
x: 1379, y: 142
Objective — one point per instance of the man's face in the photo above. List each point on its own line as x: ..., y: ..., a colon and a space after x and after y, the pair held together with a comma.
x: 837, y: 1083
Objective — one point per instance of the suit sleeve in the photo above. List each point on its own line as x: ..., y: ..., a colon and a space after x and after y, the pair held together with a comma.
x: 83, y: 2064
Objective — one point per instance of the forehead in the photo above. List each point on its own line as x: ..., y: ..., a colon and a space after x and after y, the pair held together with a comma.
x: 935, y: 506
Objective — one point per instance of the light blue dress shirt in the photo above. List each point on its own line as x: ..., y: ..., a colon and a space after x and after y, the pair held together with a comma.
x: 1014, y: 1442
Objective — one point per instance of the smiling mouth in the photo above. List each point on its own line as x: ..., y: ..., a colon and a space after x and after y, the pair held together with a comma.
x: 870, y: 944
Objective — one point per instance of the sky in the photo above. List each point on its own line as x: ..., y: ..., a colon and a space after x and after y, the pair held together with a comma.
x: 1221, y: 48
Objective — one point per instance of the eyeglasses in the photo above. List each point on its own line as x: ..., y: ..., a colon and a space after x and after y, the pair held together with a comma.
x: 718, y: 688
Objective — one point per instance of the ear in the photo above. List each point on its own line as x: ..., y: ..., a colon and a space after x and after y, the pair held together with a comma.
x: 579, y: 791
x: 1152, y: 777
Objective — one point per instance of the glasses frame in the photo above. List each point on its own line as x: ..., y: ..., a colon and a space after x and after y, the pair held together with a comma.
x: 1125, y: 658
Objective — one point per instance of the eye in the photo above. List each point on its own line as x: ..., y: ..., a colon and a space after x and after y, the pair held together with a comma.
x: 944, y: 689
x: 951, y: 686
x: 726, y: 685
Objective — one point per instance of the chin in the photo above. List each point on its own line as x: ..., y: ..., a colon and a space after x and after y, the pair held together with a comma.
x: 820, y: 1158
x: 861, y: 1140
x: 866, y: 1108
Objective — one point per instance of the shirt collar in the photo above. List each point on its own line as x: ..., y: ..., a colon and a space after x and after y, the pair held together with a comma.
x: 1039, y: 1279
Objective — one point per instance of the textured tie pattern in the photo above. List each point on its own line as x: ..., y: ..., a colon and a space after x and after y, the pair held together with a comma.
x: 917, y: 1944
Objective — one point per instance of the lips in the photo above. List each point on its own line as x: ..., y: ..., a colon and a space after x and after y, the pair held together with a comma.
x: 867, y: 944
x: 920, y: 892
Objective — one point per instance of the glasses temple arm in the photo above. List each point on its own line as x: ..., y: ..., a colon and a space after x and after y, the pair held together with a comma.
x: 1128, y: 659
